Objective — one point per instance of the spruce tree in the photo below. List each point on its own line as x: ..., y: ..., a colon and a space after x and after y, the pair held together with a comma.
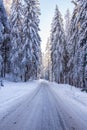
x: 31, y: 40
x: 4, y: 41
x: 47, y: 61
x: 77, y: 45
x: 67, y: 22
x: 16, y: 23
x: 57, y: 47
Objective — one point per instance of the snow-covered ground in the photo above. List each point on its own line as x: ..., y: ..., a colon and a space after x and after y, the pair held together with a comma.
x: 42, y: 105
x: 13, y: 93
x: 71, y: 92
x: 73, y: 104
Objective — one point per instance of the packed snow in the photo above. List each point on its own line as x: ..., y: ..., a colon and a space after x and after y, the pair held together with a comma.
x: 42, y: 105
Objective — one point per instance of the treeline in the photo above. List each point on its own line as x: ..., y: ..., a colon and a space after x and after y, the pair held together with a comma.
x: 20, y: 51
x: 68, y: 48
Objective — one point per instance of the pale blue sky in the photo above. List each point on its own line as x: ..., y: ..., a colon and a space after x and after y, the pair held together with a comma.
x: 47, y: 12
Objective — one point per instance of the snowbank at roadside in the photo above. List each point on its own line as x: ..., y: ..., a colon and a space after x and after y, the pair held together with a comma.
x: 13, y: 93
x: 71, y: 92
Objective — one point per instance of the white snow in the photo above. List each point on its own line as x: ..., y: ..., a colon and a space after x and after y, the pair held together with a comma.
x: 13, y: 93
x: 73, y: 102
x: 38, y: 105
x: 71, y: 92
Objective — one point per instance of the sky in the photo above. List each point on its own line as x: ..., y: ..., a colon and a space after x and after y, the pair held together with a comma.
x: 47, y: 12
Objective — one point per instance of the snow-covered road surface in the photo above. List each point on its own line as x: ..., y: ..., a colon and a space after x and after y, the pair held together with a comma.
x: 46, y: 107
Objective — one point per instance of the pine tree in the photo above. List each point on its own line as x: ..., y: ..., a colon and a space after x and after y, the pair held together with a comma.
x: 16, y: 22
x: 57, y: 47
x: 77, y: 45
x: 4, y: 41
x: 31, y: 40
x: 25, y: 40
x: 47, y: 61
x: 82, y: 42
x: 7, y: 4
x: 67, y: 22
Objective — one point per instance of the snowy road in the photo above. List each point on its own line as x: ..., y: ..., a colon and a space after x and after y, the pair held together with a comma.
x: 44, y: 109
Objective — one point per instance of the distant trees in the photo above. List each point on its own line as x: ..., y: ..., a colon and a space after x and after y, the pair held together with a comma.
x: 67, y: 22
x: 47, y: 62
x: 7, y: 4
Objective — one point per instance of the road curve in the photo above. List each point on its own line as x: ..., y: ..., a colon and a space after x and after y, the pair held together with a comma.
x: 42, y: 110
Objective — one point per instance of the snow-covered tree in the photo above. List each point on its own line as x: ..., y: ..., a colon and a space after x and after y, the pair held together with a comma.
x: 16, y: 22
x: 4, y: 40
x: 82, y: 43
x: 77, y: 45
x: 57, y: 40
x: 7, y: 4
x: 25, y: 39
x: 31, y: 40
x: 67, y: 22
x: 47, y: 61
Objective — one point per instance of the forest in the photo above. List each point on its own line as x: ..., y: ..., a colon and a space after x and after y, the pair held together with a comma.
x: 21, y: 59
x: 43, y: 90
